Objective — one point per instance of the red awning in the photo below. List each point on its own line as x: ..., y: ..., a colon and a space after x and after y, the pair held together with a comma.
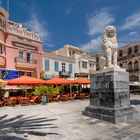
x: 26, y: 80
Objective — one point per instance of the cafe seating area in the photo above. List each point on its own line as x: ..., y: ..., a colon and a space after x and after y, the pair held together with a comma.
x: 32, y: 100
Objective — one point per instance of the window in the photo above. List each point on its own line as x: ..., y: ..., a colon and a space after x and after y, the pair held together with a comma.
x: 29, y: 74
x: 130, y: 66
x: 84, y: 64
x: 136, y: 49
x: 73, y: 52
x: 70, y: 68
x: 56, y: 66
x: 63, y: 67
x: 47, y: 65
x: 21, y: 73
x: 20, y: 54
x: 129, y: 50
x: 2, y: 23
x: 70, y: 53
x: 28, y: 57
x: 121, y: 65
x: 136, y: 67
x: 1, y: 49
x: 120, y: 53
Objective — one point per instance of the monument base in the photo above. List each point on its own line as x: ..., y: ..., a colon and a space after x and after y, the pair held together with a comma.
x: 110, y: 97
x: 110, y: 115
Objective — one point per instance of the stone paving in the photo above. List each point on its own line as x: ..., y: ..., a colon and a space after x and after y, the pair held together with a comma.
x: 63, y: 121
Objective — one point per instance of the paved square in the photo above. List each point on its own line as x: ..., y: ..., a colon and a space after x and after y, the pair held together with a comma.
x: 63, y: 121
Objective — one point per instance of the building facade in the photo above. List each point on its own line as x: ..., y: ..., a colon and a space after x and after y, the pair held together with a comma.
x: 55, y: 65
x: 129, y: 58
x: 69, y: 61
x: 20, y: 49
x: 85, y: 64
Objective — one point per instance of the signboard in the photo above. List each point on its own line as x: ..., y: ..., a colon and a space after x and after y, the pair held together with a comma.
x: 65, y: 74
x: 9, y: 74
x: 81, y: 75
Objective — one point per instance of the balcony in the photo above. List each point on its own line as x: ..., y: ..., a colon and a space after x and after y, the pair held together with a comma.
x: 2, y: 61
x: 18, y: 29
x: 24, y: 63
x: 127, y: 57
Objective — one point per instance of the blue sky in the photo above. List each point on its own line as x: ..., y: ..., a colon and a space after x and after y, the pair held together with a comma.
x: 78, y: 22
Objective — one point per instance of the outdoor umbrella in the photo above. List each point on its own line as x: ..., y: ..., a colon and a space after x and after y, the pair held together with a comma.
x: 2, y: 82
x: 81, y: 80
x: 26, y: 81
x: 58, y: 81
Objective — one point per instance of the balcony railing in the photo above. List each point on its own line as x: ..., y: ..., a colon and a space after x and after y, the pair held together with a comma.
x: 18, y: 29
x: 133, y: 70
x: 24, y: 60
x: 129, y: 56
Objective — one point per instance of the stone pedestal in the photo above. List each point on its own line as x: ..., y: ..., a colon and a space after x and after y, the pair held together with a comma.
x: 110, y: 96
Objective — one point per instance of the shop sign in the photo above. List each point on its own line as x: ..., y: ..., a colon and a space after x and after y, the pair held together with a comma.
x: 9, y: 74
x: 81, y: 75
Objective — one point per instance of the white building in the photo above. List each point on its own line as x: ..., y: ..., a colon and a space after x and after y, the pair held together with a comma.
x: 85, y: 64
x: 55, y: 65
x: 69, y: 61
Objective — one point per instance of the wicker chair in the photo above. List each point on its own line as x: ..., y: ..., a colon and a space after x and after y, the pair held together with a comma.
x: 57, y: 98
x: 72, y: 97
x: 24, y: 101
x: 34, y: 100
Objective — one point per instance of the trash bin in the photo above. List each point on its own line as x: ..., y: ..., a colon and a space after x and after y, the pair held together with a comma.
x: 44, y: 99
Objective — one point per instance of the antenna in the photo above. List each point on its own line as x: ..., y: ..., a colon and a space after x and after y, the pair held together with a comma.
x: 8, y: 2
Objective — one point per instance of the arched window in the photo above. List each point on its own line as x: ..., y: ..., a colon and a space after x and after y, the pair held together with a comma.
x: 121, y: 65
x: 120, y: 53
x: 136, y: 65
x: 129, y: 50
x: 136, y: 49
x: 130, y: 66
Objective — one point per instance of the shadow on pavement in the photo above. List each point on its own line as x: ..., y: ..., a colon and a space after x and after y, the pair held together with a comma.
x: 21, y: 125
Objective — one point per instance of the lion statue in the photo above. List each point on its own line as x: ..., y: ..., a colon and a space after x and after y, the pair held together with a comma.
x: 110, y: 46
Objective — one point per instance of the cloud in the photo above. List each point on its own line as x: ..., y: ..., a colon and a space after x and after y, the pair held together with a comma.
x: 98, y: 21
x: 132, y: 33
x: 96, y: 24
x: 132, y: 21
x: 128, y: 38
x: 37, y: 25
x: 93, y: 45
x: 68, y: 11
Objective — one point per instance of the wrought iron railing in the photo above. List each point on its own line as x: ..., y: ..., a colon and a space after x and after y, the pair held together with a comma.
x: 25, y: 60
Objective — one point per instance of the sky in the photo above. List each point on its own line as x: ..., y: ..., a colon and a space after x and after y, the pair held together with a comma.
x: 77, y: 22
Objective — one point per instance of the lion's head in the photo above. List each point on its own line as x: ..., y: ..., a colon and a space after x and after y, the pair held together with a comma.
x: 110, y: 31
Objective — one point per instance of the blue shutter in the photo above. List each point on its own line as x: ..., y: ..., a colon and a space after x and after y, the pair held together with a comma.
x: 70, y: 68
x: 56, y: 66
x: 47, y: 66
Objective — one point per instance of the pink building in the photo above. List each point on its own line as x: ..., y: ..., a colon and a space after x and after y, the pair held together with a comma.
x: 20, y: 50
